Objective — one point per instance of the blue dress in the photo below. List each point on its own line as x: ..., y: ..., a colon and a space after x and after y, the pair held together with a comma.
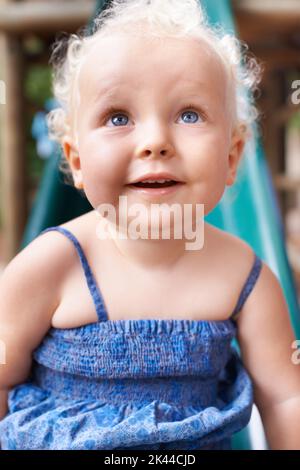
x: 132, y: 384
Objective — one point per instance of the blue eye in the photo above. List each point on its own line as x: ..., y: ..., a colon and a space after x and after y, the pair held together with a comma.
x: 117, y: 119
x: 192, y: 116
x: 120, y: 119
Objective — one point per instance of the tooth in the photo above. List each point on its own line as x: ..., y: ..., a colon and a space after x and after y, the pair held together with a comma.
x: 155, y: 181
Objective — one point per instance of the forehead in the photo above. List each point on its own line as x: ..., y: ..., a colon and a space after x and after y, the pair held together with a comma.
x: 151, y: 63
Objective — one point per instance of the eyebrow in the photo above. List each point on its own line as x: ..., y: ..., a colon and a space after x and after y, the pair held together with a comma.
x: 108, y: 91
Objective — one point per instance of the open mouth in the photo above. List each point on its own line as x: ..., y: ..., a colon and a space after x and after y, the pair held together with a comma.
x: 165, y: 184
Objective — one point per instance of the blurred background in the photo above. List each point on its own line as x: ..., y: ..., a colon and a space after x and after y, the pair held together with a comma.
x: 28, y: 28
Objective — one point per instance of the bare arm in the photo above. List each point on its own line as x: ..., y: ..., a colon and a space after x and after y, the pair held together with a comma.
x: 28, y: 297
x: 282, y: 421
x: 266, y: 337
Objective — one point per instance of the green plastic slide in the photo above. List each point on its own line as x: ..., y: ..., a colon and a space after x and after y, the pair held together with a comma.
x: 249, y: 209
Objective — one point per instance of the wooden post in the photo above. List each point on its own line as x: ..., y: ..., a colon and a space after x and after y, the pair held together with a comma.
x: 13, y: 155
x: 272, y: 129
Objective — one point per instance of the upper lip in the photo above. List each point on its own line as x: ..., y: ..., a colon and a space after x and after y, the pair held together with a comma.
x: 156, y: 176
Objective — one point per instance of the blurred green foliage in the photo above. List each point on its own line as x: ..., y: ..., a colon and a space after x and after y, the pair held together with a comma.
x: 37, y: 91
x: 295, y: 121
x: 38, y: 84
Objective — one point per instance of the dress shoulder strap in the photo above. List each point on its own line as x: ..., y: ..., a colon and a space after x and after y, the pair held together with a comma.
x: 248, y: 286
x: 90, y: 279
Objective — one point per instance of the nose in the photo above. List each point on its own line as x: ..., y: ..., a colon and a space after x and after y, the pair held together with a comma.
x: 155, y: 144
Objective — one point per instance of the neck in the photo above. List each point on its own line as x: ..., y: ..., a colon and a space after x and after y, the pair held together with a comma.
x: 161, y: 254
x: 152, y: 254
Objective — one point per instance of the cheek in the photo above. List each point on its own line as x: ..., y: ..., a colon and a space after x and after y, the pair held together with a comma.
x: 104, y: 160
x: 207, y: 157
x: 217, y: 166
x: 207, y: 168
x: 104, y: 171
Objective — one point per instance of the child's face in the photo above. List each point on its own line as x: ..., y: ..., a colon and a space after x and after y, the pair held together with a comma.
x: 153, y: 84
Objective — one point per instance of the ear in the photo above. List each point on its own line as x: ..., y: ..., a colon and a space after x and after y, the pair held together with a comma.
x: 72, y: 156
x: 235, y: 154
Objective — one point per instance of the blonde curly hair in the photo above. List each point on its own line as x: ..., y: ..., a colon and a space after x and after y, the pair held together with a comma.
x: 170, y: 18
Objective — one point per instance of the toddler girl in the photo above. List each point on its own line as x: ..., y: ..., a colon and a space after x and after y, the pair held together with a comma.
x: 125, y: 342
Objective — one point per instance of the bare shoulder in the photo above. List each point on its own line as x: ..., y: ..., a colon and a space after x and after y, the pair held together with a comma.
x: 229, y: 263
x: 62, y: 254
x: 265, y: 307
x: 46, y: 258
x: 265, y: 304
x: 42, y: 265
x: 36, y: 270
x: 232, y: 254
x: 81, y: 226
x: 32, y: 282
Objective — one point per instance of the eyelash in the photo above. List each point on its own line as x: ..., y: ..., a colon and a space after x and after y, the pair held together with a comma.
x: 112, y: 110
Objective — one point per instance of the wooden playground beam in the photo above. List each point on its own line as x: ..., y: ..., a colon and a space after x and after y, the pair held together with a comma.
x: 287, y: 183
x: 287, y: 11
x: 278, y: 57
x: 41, y: 17
x: 257, y: 19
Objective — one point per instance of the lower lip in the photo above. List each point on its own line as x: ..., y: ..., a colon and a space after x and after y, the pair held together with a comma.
x: 156, y: 191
